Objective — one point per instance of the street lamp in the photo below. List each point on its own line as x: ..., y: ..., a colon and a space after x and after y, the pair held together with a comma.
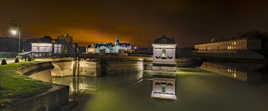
x: 15, y: 32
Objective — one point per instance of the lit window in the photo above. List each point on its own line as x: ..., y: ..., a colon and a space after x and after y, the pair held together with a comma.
x: 234, y: 75
x: 229, y: 47
x: 164, y: 53
x: 235, y: 43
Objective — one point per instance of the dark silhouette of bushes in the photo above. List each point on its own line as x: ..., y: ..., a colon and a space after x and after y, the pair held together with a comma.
x: 4, y: 62
x: 17, y: 60
x: 29, y: 59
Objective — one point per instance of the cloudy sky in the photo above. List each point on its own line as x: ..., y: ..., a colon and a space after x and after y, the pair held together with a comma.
x: 137, y: 22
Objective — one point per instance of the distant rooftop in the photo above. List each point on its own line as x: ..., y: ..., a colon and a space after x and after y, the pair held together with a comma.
x: 164, y: 40
x: 244, y: 36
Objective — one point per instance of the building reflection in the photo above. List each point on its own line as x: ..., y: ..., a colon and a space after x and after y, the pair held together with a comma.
x: 139, y: 68
x: 164, y: 88
x: 78, y: 85
x: 242, y: 72
x: 82, y: 85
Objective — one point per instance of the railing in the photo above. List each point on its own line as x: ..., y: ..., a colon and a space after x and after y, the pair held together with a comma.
x: 8, y: 54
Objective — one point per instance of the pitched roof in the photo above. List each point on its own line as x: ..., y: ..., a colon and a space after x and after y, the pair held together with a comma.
x: 164, y: 40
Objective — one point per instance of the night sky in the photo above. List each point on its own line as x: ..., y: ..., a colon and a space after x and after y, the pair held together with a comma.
x: 137, y: 22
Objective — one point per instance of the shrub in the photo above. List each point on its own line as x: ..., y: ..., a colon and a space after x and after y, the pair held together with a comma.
x: 29, y: 59
x: 4, y: 62
x: 0, y: 87
x: 17, y: 60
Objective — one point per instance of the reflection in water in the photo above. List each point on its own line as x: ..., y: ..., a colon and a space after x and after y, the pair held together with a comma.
x: 128, y: 72
x: 78, y: 85
x: 140, y: 70
x: 164, y: 88
x: 83, y: 85
x: 243, y: 72
x: 198, y: 91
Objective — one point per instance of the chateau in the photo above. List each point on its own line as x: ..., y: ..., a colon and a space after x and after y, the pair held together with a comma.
x: 109, y: 48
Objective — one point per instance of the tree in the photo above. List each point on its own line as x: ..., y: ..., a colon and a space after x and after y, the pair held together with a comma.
x: 67, y: 41
x: 66, y: 37
x: 46, y: 38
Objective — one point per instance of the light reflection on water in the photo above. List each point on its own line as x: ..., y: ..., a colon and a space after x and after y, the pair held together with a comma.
x: 237, y: 71
x: 125, y: 88
x: 122, y: 74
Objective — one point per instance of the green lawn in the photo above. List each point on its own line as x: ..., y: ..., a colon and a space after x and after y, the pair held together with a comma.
x: 15, y: 87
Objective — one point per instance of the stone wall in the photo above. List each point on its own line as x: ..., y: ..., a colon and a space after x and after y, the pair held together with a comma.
x: 231, y: 45
x: 164, y: 68
x: 44, y: 75
x: 29, y: 69
x: 243, y: 54
x: 81, y: 68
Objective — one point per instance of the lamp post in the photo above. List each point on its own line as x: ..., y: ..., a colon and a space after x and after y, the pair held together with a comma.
x: 15, y: 32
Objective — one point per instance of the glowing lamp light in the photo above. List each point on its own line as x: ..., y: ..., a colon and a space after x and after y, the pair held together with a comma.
x: 13, y: 32
x: 235, y: 75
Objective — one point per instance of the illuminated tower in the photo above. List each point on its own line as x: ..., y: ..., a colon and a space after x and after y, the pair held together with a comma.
x: 117, y: 42
x: 116, y: 45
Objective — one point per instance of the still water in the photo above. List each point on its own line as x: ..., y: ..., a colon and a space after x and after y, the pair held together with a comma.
x: 126, y: 87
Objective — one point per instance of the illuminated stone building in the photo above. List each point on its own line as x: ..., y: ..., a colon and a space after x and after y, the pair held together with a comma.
x: 232, y: 45
x: 91, y: 49
x: 164, y: 54
x: 109, y: 48
x: 240, y: 48
x: 45, y: 49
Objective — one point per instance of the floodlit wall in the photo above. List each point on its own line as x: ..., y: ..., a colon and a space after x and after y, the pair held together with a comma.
x: 164, y: 54
x: 69, y: 68
x: 42, y: 47
x: 243, y: 49
x: 232, y: 45
x: 91, y: 50
x: 57, y: 48
x: 164, y: 57
x: 45, y: 49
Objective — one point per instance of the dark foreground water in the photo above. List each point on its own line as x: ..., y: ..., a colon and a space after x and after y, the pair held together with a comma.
x: 127, y: 88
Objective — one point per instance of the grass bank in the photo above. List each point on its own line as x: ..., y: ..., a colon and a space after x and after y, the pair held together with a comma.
x: 14, y: 87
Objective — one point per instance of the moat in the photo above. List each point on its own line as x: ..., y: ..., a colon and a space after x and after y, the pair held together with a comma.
x: 126, y: 87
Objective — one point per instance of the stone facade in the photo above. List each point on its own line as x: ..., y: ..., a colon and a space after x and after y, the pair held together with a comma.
x: 164, y: 54
x: 232, y: 45
x: 233, y: 49
x: 242, y: 49
x: 70, y: 68
x: 109, y: 48
x: 45, y: 49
